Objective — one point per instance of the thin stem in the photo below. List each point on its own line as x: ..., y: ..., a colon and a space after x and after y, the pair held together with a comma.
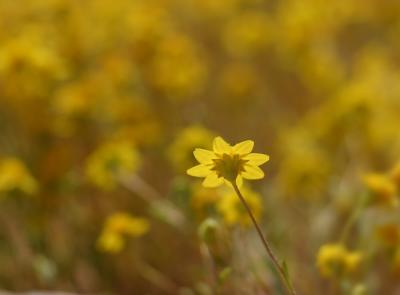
x: 278, y: 267
x: 353, y: 217
x: 156, y: 277
x: 159, y: 205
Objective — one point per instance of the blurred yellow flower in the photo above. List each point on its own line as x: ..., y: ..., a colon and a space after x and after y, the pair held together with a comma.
x: 334, y: 260
x: 110, y: 242
x: 395, y: 175
x: 228, y: 163
x: 247, y: 34
x: 389, y: 234
x: 15, y: 176
x: 117, y: 226
x: 203, y: 200
x: 239, y: 81
x: 180, y: 152
x: 111, y: 160
x: 232, y: 210
x: 382, y: 189
x: 178, y: 70
x: 74, y: 99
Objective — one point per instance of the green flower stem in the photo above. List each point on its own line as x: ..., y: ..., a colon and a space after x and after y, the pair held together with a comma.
x: 362, y: 202
x: 282, y: 272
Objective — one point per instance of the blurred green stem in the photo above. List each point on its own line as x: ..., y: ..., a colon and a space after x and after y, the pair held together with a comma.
x: 353, y: 217
x: 281, y: 270
x: 171, y: 213
x: 209, y: 264
x: 156, y: 277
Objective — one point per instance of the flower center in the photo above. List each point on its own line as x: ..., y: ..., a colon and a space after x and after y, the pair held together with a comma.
x: 229, y: 166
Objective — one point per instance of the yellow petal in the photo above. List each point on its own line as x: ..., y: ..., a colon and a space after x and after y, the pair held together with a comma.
x: 256, y: 159
x: 204, y: 156
x: 199, y: 171
x: 243, y: 147
x: 252, y: 172
x: 220, y: 146
x: 212, y: 180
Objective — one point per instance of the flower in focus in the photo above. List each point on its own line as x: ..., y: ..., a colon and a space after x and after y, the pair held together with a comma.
x: 233, y: 211
x: 334, y: 260
x: 226, y: 163
x: 180, y: 152
x: 15, y: 176
x: 109, y: 161
x: 382, y: 189
x: 117, y: 226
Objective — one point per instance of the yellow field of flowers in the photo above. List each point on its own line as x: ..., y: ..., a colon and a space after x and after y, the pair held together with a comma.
x: 200, y: 147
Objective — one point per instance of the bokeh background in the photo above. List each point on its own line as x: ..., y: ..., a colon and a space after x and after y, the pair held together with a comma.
x: 103, y: 101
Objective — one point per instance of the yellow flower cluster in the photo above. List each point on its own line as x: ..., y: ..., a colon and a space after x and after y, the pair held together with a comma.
x: 224, y: 203
x: 181, y: 149
x: 384, y: 188
x: 118, y: 226
x: 111, y: 97
x: 110, y: 161
x: 14, y: 176
x: 334, y: 260
x: 232, y: 210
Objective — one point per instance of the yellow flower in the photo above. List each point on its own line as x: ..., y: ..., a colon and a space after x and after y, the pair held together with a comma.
x: 117, y: 225
x: 389, y: 234
x: 239, y: 81
x: 180, y: 53
x: 203, y: 200
x: 233, y: 211
x: 226, y: 163
x: 110, y: 242
x: 247, y: 34
x: 395, y: 175
x: 15, y: 176
x: 382, y: 189
x: 180, y: 152
x: 109, y: 161
x: 334, y: 260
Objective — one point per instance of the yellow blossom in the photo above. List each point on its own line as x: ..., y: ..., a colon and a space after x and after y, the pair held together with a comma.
x: 334, y: 260
x: 15, y: 176
x: 239, y: 82
x: 180, y: 151
x: 178, y: 52
x: 395, y: 175
x: 117, y: 226
x: 226, y: 163
x: 110, y: 242
x: 389, y: 234
x: 203, y: 200
x: 109, y: 161
x: 233, y: 211
x: 247, y: 34
x: 382, y: 189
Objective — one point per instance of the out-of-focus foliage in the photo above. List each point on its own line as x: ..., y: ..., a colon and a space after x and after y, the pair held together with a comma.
x: 103, y: 101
